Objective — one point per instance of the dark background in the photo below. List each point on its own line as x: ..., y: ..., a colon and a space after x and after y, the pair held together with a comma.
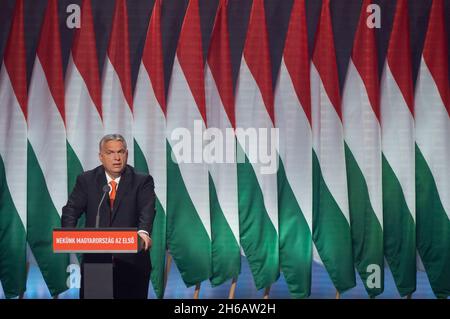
x: 345, y: 15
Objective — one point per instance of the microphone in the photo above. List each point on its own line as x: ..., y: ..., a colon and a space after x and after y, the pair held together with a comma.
x: 105, y: 189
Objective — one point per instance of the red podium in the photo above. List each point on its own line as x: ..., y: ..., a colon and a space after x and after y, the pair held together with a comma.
x: 98, y: 245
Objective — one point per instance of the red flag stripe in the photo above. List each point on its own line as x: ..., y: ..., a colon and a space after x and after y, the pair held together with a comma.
x: 256, y: 54
x: 220, y: 62
x: 15, y: 58
x: 84, y: 52
x: 364, y: 57
x: 399, y: 53
x: 435, y: 52
x: 152, y: 57
x: 118, y: 50
x: 190, y: 56
x: 296, y: 56
x: 324, y: 57
x: 49, y: 53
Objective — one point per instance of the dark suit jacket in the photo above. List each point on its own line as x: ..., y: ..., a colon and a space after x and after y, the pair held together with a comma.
x: 134, y: 206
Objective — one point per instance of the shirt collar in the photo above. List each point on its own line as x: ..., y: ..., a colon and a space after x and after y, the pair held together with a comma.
x: 109, y: 179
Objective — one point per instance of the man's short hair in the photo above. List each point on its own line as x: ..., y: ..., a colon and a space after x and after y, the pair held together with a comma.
x: 112, y: 137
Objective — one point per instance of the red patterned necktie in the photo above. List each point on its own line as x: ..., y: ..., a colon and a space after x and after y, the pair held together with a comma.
x: 112, y: 195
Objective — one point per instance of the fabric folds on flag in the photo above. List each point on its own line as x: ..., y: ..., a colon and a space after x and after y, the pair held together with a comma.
x: 361, y: 113
x: 13, y: 160
x: 46, y: 158
x: 331, y: 219
x: 83, y: 100
x: 188, y: 213
x: 150, y: 138
x: 397, y: 129
x: 293, y: 119
x: 432, y: 121
x: 257, y: 188
x: 117, y: 98
x: 225, y: 249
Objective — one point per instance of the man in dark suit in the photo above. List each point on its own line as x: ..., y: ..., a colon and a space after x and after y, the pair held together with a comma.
x: 131, y: 203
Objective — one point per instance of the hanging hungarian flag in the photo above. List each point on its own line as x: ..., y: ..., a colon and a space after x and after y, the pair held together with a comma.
x: 188, y: 220
x: 150, y: 138
x: 257, y: 182
x: 13, y: 160
x: 47, y: 160
x: 361, y: 113
x: 117, y: 99
x: 397, y: 128
x: 83, y: 100
x: 293, y: 118
x: 331, y: 220
x: 225, y: 249
x: 433, y: 154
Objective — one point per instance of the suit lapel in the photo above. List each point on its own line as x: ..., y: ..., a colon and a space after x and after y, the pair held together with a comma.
x: 105, y: 209
x: 122, y: 190
x: 100, y: 179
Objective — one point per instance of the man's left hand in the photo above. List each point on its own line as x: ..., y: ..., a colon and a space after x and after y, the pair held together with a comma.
x: 146, y: 240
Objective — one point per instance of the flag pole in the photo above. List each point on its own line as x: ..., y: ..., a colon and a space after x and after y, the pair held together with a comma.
x: 232, y: 289
x: 197, y: 290
x: 338, y: 295
x: 166, y: 271
x: 266, y: 293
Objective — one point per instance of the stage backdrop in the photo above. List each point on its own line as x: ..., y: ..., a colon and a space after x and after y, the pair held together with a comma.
x: 288, y: 132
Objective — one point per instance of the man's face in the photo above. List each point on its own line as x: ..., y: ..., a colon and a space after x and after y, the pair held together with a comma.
x: 113, y: 156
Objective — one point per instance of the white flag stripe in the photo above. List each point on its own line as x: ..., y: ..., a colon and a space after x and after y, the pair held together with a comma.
x: 328, y: 143
x: 149, y: 131
x: 195, y: 175
x: 46, y: 133
x: 295, y: 132
x: 252, y: 113
x: 398, y: 136
x: 225, y: 176
x: 363, y: 137
x: 117, y: 116
x: 13, y: 144
x: 431, y: 130
x: 84, y: 124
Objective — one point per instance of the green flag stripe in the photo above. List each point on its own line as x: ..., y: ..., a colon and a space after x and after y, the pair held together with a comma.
x: 188, y: 241
x: 140, y: 163
x: 433, y: 229
x: 367, y: 234
x: 295, y: 240
x: 259, y: 238
x: 74, y: 167
x: 42, y: 218
x: 331, y: 233
x: 399, y: 233
x: 12, y: 242
x: 225, y: 251
x: 158, y: 250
